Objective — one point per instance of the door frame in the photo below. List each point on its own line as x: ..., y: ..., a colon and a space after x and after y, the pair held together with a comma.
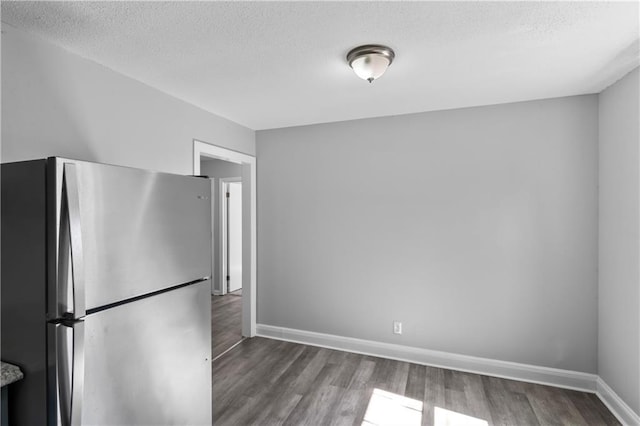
x: 222, y: 204
x: 249, y: 239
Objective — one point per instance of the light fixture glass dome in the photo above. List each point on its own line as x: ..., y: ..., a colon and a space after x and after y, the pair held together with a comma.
x: 370, y: 61
x: 370, y: 67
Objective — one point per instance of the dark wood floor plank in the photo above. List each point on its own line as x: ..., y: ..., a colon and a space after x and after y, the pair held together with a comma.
x: 274, y: 408
x: 279, y: 411
x: 284, y: 400
x: 264, y: 402
x: 353, y: 404
x: 244, y: 383
x: 362, y: 376
x: 498, y: 398
x: 317, y: 399
x: 543, y: 405
x: 454, y: 395
x: 307, y: 377
x: 590, y: 407
x: 434, y: 394
x: 553, y: 407
x: 237, y: 408
x: 521, y: 409
x: 606, y: 415
x: 476, y: 398
x: 347, y: 368
x: 226, y: 370
x: 349, y: 407
x: 399, y: 377
x: 416, y: 377
x: 288, y: 355
x: 382, y: 374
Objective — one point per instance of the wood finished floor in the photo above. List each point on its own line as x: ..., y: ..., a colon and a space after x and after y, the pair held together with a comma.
x: 269, y: 382
x: 226, y: 322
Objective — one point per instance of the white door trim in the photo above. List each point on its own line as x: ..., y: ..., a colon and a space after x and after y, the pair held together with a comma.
x: 249, y: 266
x: 222, y: 214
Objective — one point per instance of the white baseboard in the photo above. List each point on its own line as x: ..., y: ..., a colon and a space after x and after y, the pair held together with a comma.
x: 618, y: 407
x: 490, y: 367
x: 216, y: 293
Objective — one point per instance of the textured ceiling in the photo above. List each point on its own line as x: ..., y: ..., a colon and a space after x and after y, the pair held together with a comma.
x: 278, y: 64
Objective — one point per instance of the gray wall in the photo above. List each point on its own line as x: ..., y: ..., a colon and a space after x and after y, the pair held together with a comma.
x: 217, y: 169
x: 619, y: 239
x: 477, y: 228
x: 57, y: 103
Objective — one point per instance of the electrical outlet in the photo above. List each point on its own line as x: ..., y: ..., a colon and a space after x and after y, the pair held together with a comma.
x: 397, y: 327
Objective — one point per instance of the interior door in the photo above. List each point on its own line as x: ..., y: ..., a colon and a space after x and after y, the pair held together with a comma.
x: 234, y: 235
x: 141, y: 231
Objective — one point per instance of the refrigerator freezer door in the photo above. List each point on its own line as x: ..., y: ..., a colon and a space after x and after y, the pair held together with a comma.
x: 140, y: 232
x: 148, y: 362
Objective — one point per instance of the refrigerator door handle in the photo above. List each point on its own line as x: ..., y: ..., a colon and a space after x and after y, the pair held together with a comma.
x: 72, y: 201
x: 70, y: 372
x: 77, y: 386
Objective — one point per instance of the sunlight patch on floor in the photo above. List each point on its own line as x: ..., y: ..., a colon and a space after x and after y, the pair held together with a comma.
x: 387, y: 408
x: 443, y: 417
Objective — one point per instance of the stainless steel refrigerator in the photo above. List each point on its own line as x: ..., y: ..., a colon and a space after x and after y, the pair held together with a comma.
x: 106, y: 294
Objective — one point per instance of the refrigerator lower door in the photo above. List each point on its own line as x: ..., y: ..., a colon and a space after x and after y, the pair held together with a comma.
x: 119, y: 233
x: 148, y: 362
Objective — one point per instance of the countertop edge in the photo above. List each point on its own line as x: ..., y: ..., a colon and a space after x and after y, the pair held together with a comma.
x: 10, y: 373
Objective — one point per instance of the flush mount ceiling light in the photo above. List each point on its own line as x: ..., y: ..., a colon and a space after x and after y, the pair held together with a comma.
x: 370, y: 61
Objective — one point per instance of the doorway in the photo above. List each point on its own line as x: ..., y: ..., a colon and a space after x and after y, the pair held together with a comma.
x: 236, y: 317
x: 230, y: 201
x: 226, y: 244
